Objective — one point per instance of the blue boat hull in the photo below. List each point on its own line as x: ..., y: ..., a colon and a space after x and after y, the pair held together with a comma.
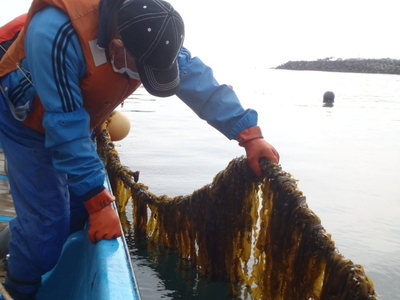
x: 86, y: 271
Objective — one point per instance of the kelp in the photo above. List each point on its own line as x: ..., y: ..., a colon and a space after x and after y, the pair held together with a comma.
x: 237, y: 220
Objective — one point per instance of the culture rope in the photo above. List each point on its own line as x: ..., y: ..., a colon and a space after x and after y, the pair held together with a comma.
x: 239, y: 218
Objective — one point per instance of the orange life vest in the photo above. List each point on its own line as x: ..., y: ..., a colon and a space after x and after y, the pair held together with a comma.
x: 9, y: 30
x: 102, y: 88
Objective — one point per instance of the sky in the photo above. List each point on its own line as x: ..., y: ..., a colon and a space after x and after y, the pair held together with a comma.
x: 267, y: 33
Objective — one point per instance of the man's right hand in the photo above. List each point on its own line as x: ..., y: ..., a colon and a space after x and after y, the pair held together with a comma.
x: 256, y: 147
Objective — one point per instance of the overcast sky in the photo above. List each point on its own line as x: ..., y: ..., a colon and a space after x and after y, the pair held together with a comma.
x: 268, y: 33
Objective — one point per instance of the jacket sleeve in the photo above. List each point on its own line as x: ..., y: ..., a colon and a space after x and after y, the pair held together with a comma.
x: 55, y: 60
x: 215, y: 103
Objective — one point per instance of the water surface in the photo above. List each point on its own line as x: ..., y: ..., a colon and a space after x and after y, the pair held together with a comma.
x: 346, y: 159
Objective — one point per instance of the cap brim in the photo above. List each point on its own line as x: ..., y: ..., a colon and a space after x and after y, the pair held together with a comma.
x: 160, y: 83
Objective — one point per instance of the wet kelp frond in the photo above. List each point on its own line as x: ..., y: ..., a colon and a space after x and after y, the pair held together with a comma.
x: 295, y: 257
x: 238, y: 220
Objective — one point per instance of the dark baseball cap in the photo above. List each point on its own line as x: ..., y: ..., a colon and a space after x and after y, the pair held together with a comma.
x: 153, y: 33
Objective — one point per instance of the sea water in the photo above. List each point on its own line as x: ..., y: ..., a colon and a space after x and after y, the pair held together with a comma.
x: 346, y: 159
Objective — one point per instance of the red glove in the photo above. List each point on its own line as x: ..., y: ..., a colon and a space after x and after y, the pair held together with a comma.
x: 104, y: 223
x: 256, y: 147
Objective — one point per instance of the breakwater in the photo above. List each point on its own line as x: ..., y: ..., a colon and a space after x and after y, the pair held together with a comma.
x: 353, y: 65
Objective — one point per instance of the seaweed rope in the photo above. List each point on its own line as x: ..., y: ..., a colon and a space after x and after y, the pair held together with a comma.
x: 240, y: 219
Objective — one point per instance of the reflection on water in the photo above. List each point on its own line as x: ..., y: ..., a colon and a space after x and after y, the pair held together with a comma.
x: 164, y: 276
x: 327, y: 104
x: 346, y: 160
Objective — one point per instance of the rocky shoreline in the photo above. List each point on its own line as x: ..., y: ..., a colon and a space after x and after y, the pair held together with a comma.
x: 353, y: 65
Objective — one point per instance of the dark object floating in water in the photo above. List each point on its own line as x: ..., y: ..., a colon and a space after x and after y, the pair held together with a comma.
x: 329, y: 97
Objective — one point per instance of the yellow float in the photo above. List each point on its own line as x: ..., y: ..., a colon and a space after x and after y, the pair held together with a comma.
x: 118, y: 126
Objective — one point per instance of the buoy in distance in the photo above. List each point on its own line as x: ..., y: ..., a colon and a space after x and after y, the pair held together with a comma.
x: 329, y: 97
